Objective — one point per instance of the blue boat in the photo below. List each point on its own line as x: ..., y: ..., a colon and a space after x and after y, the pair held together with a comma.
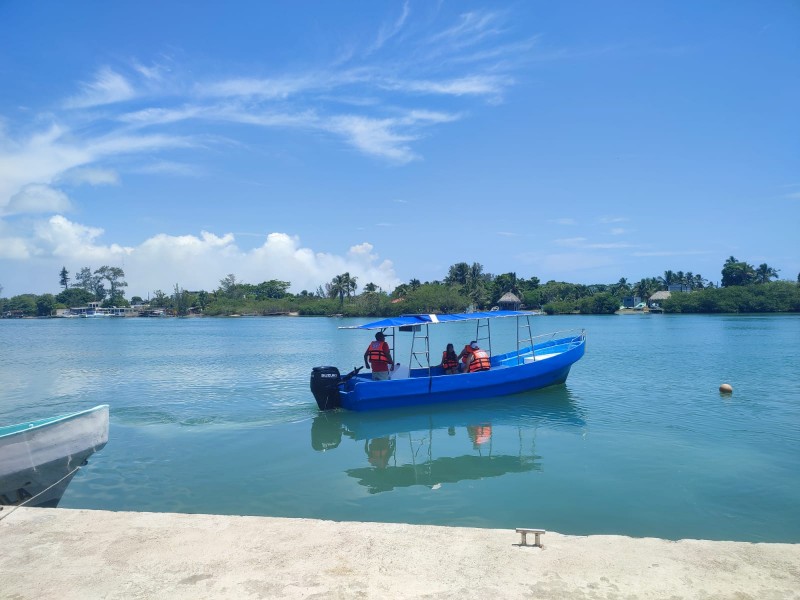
x: 535, y: 362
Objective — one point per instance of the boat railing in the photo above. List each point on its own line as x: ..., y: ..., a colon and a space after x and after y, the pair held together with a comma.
x: 540, y: 343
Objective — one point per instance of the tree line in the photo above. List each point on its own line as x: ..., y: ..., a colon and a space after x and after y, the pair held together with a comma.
x: 743, y: 288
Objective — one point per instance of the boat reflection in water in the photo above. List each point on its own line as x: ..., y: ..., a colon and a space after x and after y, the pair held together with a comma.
x: 448, y: 443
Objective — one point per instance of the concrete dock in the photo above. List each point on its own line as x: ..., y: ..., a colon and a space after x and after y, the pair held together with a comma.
x: 85, y: 554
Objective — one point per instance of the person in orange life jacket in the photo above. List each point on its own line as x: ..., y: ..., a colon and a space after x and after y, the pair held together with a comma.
x: 449, y: 361
x: 379, y: 356
x: 478, y: 360
x: 465, y: 355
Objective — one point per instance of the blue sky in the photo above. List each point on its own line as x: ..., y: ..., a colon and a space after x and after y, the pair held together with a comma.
x: 576, y: 141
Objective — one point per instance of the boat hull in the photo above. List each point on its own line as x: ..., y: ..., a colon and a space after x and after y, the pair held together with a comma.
x: 46, y: 454
x: 551, y: 366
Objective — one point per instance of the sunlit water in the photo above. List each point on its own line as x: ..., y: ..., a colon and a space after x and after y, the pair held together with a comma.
x: 216, y: 416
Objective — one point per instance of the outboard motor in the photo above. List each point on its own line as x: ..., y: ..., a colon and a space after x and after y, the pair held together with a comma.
x: 325, y: 387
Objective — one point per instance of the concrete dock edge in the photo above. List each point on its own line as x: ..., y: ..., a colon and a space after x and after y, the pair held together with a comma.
x: 85, y: 554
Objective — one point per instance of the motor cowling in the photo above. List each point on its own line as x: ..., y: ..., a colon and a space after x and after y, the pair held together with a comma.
x: 325, y: 387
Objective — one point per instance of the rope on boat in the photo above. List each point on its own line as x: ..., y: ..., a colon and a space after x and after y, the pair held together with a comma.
x: 24, y: 502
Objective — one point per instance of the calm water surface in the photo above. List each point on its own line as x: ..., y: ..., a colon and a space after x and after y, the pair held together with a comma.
x: 216, y: 416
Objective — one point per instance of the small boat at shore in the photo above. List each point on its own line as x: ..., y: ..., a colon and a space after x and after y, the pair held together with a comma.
x: 534, y: 363
x: 39, y: 458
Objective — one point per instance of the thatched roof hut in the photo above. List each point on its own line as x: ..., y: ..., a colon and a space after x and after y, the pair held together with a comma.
x: 509, y: 302
x: 658, y: 297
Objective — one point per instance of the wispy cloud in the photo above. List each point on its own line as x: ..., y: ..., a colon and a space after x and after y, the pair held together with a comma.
x: 90, y: 176
x: 477, y: 85
x: 472, y: 28
x: 106, y: 88
x: 582, y: 242
x: 387, y: 32
x: 672, y: 253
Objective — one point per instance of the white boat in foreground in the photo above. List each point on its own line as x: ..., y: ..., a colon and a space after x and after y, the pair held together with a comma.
x: 39, y: 458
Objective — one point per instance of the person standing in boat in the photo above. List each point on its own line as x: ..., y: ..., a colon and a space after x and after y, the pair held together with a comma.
x: 465, y: 355
x: 478, y: 360
x: 379, y: 357
x: 449, y: 361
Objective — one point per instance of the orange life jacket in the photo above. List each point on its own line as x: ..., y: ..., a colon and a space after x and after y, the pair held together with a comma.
x: 480, y: 361
x: 449, y: 362
x: 377, y: 356
x: 466, y: 352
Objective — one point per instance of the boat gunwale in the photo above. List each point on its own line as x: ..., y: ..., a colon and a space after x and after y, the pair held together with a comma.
x: 26, y: 426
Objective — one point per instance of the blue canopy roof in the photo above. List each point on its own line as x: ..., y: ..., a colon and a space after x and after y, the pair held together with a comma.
x: 408, y: 320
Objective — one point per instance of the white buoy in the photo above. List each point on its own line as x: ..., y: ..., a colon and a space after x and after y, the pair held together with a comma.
x: 726, y: 388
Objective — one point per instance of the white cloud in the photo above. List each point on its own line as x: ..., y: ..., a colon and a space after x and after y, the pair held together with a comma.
x: 192, y: 261
x: 472, y: 85
x: 167, y: 167
x: 50, y: 155
x: 91, y: 176
x: 389, y: 31
x: 37, y: 198
x: 276, y: 88
x: 575, y: 241
x: 374, y: 136
x: 671, y: 253
x: 108, y: 87
x: 61, y: 238
x: 13, y: 248
x: 472, y: 28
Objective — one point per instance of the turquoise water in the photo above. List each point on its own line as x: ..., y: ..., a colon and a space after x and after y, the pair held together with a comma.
x: 216, y: 416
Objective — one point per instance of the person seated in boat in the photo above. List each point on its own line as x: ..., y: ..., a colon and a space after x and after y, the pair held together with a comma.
x: 379, y: 357
x: 464, y: 356
x: 449, y: 361
x: 478, y: 360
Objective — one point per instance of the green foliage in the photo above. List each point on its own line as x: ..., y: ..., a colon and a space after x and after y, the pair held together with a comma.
x: 341, y: 286
x: 64, y: 278
x: 745, y: 289
x: 74, y: 297
x: 22, y: 305
x: 775, y: 296
x: 434, y: 298
x: 561, y: 307
x: 45, y: 305
x: 736, y: 272
x: 604, y: 303
x: 556, y: 293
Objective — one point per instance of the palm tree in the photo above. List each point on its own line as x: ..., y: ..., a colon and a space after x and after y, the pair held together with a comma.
x: 765, y: 273
x: 621, y: 287
x: 667, y: 280
x: 414, y: 284
x: 337, y: 287
x: 457, y: 274
x: 351, y: 284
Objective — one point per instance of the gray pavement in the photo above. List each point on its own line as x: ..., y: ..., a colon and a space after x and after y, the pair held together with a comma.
x: 84, y: 554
